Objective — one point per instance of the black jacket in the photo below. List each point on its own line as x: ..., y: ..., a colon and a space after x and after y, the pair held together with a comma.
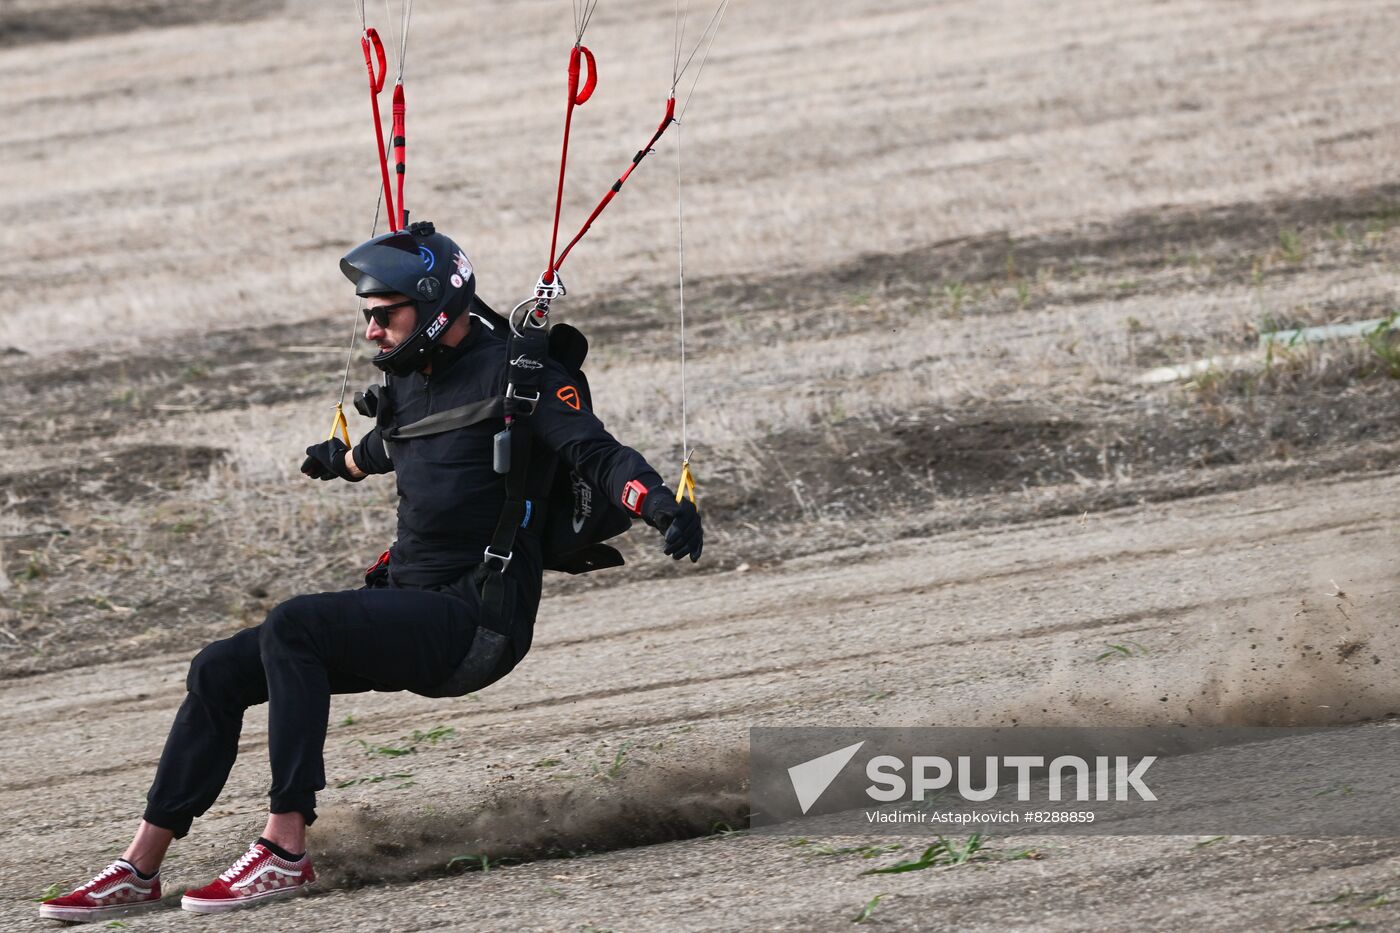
x: 450, y: 497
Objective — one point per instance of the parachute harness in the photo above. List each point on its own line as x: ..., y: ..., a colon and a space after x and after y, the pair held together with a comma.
x: 685, y: 487
x: 377, y: 68
x: 582, y: 67
x: 376, y: 65
x: 550, y: 285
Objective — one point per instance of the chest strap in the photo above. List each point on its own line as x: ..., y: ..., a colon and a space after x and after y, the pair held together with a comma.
x: 485, y: 657
x: 443, y: 421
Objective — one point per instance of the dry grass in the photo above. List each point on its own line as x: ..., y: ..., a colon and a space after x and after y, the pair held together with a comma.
x: 896, y: 212
x: 179, y: 178
x: 203, y: 177
x: 1085, y: 329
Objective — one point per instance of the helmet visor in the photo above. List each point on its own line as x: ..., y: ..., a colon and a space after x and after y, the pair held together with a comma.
x: 366, y: 285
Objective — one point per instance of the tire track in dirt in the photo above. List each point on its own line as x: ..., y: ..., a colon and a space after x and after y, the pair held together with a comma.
x: 541, y: 715
x: 766, y: 593
x: 783, y: 599
x: 112, y: 701
x: 748, y: 673
x: 590, y: 705
x: 63, y: 20
x: 897, y: 593
x: 882, y: 651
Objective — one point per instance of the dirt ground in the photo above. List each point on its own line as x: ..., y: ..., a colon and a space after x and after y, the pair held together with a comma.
x: 933, y: 250
x: 962, y: 627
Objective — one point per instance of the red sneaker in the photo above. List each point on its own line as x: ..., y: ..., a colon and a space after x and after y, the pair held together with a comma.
x: 257, y: 877
x: 116, y: 892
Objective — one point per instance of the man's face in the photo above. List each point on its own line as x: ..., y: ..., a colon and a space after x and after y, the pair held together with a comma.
x: 402, y: 321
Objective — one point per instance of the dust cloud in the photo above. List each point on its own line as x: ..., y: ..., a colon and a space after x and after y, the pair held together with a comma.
x: 359, y: 845
x: 1325, y: 658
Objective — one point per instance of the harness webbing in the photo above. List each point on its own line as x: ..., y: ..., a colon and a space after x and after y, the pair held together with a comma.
x: 377, y: 67
x: 451, y: 420
x: 549, y: 286
x: 374, y: 53
x: 400, y: 143
x: 376, y: 64
x: 577, y: 98
x: 702, y: 47
x: 642, y: 153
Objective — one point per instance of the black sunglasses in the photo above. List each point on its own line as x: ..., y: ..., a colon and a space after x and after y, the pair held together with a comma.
x: 380, y: 315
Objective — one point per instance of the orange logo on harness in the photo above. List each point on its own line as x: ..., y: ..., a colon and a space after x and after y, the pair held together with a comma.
x: 569, y: 396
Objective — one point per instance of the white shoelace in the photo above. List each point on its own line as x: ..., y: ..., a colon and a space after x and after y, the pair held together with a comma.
x: 246, y: 859
x: 107, y: 872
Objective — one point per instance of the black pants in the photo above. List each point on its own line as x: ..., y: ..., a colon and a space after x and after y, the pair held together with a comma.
x: 307, y: 649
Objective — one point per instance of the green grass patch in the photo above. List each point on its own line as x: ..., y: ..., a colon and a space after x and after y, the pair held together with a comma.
x: 955, y: 295
x: 720, y: 829
x: 1359, y: 898
x: 385, y: 751
x: 1290, y: 245
x: 1017, y: 855
x: 1126, y: 650
x: 1343, y: 790
x: 481, y: 863
x: 611, y: 772
x: 944, y: 853
x: 408, y: 744
x: 1383, y: 344
x: 403, y: 776
x: 434, y: 735
x: 868, y: 910
x: 871, y: 850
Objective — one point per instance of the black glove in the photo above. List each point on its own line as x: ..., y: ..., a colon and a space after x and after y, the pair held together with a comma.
x: 678, y: 521
x: 326, y: 460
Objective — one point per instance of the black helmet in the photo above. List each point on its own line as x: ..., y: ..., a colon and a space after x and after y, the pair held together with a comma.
x: 421, y: 264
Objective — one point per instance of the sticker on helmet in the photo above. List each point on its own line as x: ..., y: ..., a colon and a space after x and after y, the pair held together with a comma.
x: 569, y: 396
x: 436, y: 327
x: 456, y: 280
x: 464, y: 266
x: 429, y: 260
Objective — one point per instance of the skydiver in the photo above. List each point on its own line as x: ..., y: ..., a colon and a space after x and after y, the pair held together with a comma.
x: 438, y: 616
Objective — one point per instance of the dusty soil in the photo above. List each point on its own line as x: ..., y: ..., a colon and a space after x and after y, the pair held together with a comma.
x: 172, y: 457
x: 967, y: 566
x: 935, y: 489
x: 962, y: 627
x: 24, y: 22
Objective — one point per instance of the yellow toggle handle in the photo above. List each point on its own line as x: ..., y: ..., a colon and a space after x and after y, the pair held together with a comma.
x: 340, y: 426
x: 685, y: 489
